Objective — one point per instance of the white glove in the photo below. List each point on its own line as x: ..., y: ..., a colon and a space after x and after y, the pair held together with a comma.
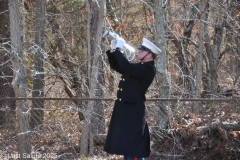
x: 120, y: 43
x: 113, y: 44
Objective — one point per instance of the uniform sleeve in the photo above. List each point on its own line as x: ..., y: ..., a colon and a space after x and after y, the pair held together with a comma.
x: 113, y: 62
x: 135, y: 70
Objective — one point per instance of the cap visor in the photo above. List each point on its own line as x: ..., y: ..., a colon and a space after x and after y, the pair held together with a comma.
x: 143, y: 48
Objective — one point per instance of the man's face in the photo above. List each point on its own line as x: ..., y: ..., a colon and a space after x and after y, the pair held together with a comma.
x: 141, y: 54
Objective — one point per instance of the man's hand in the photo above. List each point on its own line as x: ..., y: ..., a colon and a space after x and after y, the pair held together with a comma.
x: 120, y: 43
x: 113, y: 44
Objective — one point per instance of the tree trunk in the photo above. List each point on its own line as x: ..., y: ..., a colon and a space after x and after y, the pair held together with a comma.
x: 6, y: 72
x: 96, y: 12
x: 214, y: 55
x: 189, y: 82
x: 234, y: 10
x: 208, y: 49
x: 217, y: 39
x: 20, y: 85
x: 98, y: 121
x: 37, y: 113
x: 162, y: 62
x: 199, y: 57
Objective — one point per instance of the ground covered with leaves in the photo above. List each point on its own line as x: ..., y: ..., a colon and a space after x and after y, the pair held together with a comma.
x: 213, y: 134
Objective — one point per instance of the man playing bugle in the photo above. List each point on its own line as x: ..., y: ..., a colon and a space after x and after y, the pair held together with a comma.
x: 128, y: 132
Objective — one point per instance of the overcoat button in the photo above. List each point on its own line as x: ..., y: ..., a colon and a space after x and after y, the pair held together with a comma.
x: 120, y: 99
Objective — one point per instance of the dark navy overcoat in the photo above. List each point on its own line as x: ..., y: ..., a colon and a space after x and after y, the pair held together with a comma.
x: 128, y: 132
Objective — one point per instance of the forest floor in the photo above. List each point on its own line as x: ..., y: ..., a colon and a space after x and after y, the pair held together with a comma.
x: 214, y: 134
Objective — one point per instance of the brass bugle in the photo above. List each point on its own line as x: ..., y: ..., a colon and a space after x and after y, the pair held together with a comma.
x: 128, y: 50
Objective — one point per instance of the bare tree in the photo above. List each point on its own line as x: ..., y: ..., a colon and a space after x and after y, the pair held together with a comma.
x: 199, y: 55
x: 6, y: 72
x: 235, y: 13
x: 20, y: 85
x: 96, y: 10
x: 214, y: 51
x: 162, y: 62
x: 37, y: 113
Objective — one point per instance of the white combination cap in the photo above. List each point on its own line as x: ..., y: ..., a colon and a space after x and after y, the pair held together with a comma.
x: 149, y: 46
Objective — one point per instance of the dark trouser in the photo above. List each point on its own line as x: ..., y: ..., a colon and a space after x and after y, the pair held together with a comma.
x: 132, y: 158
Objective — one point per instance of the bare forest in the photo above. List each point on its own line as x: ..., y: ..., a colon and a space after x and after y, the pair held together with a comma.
x: 57, y: 90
